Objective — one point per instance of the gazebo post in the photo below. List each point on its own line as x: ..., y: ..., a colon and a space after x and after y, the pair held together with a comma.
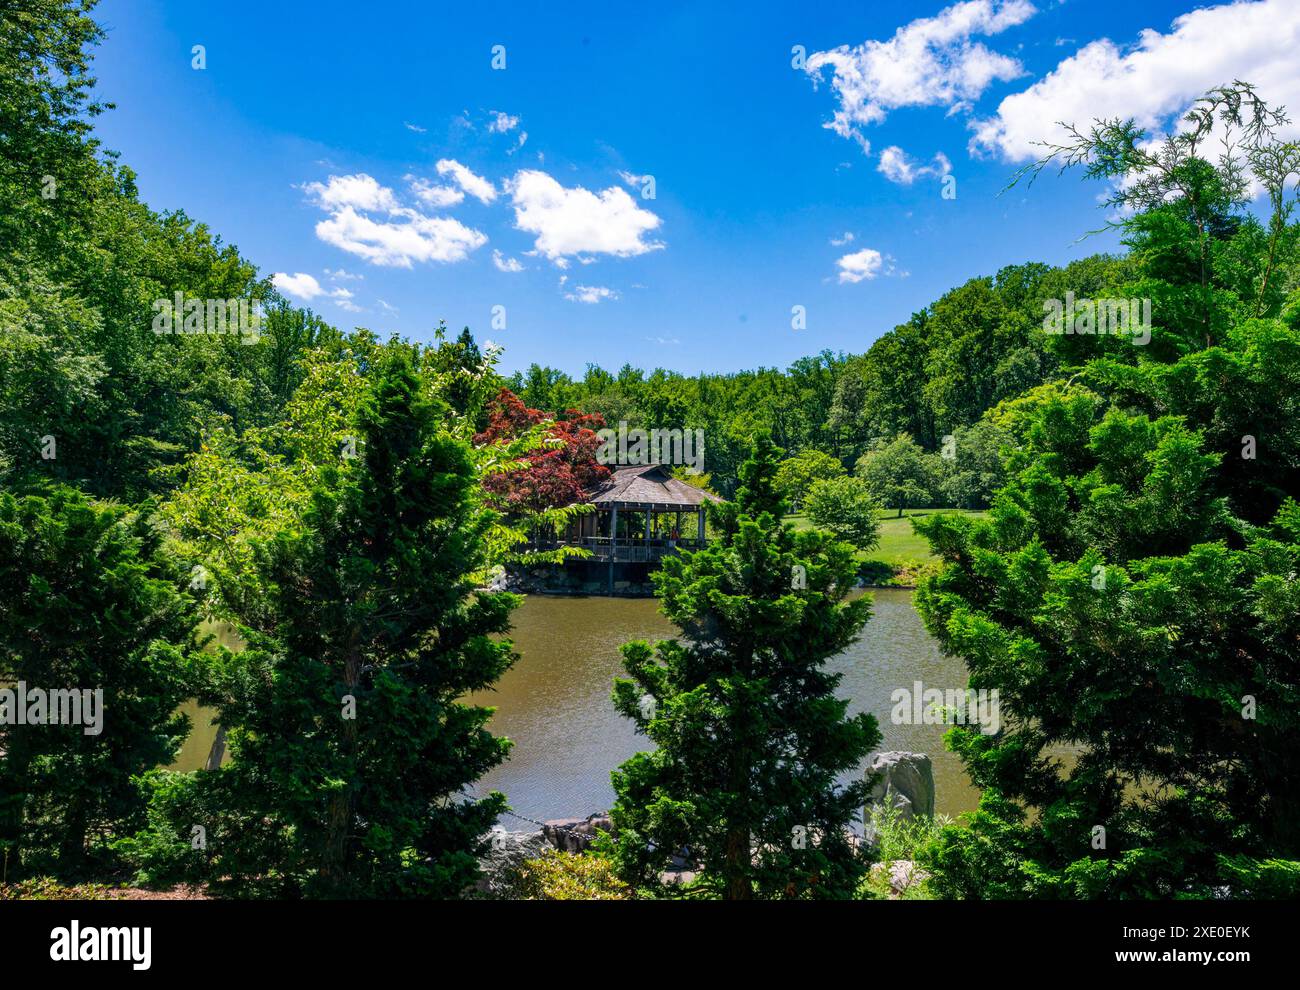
x: 701, y: 528
x: 613, y: 545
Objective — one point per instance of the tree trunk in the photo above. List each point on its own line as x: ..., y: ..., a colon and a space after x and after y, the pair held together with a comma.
x: 738, y: 865
x: 339, y: 814
x: 72, y: 849
x: 739, y: 856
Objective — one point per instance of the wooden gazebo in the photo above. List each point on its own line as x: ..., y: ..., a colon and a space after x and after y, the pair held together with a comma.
x: 642, y: 514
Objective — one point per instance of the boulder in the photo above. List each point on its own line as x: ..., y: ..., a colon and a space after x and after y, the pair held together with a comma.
x: 574, y: 836
x: 506, y: 855
x: 903, y: 875
x: 904, y: 780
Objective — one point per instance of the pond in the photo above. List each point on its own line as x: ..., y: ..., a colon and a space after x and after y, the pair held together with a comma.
x: 554, y: 704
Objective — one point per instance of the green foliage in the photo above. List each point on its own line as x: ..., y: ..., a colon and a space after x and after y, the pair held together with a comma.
x: 898, y: 473
x: 372, y: 604
x: 50, y: 889
x: 974, y: 471
x: 82, y: 265
x: 898, y: 838
x: 799, y: 473
x: 89, y: 601
x: 846, y: 508
x: 750, y: 737
x: 1132, y: 592
x: 163, y: 853
x: 238, y: 490
x: 1268, y: 879
x: 560, y: 876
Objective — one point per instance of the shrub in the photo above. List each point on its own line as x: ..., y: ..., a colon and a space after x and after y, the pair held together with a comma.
x: 49, y: 889
x: 559, y: 876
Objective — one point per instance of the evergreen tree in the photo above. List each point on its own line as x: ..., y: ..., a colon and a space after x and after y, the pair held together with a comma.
x: 88, y: 602
x: 1132, y: 595
x: 350, y: 745
x: 751, y: 738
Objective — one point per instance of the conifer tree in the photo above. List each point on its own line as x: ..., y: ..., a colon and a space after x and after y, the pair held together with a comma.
x: 88, y: 603
x: 1132, y: 595
x: 351, y: 748
x: 751, y: 738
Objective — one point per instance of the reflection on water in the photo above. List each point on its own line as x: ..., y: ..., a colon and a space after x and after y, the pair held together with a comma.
x: 195, y: 749
x: 555, y: 702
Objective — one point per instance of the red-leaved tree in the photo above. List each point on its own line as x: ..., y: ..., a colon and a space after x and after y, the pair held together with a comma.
x: 555, y: 477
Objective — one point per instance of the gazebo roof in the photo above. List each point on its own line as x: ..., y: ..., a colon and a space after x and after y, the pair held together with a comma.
x: 649, y: 486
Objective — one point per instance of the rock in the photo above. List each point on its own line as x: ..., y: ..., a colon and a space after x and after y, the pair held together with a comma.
x: 903, y: 874
x: 508, y: 852
x: 576, y: 835
x: 906, y: 781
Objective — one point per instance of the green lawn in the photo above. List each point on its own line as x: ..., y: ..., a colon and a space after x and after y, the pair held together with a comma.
x: 897, y: 541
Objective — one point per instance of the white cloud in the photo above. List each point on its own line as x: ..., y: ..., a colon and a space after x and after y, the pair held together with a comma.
x: 342, y: 275
x: 590, y: 294
x: 505, y: 264
x: 343, y: 299
x: 475, y: 185
x: 631, y: 178
x: 897, y: 166
x: 303, y: 286
x: 405, y: 236
x: 931, y: 61
x: 844, y: 238
x: 300, y: 285
x: 1155, y: 79
x: 578, y: 221
x: 438, y: 197
x: 360, y: 192
x: 864, y: 264
x: 398, y: 244
x: 414, y: 127
x: 502, y: 122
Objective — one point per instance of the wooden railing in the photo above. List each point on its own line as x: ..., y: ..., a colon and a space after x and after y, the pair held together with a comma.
x: 604, y: 548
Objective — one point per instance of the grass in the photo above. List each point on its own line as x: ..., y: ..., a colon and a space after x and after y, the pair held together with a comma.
x: 899, y: 839
x: 898, y: 544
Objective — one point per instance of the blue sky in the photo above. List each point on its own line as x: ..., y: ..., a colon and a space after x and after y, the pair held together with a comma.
x: 378, y: 162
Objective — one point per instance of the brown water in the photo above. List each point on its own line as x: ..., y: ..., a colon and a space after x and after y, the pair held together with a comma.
x: 555, y: 702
